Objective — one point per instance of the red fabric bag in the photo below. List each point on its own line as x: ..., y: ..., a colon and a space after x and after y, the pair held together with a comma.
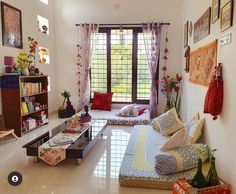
x: 214, y: 97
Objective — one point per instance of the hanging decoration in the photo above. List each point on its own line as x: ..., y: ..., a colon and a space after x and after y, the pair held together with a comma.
x: 165, y: 58
x: 214, y: 97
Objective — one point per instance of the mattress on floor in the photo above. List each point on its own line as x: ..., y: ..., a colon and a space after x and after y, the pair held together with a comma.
x: 137, y: 168
x: 112, y: 119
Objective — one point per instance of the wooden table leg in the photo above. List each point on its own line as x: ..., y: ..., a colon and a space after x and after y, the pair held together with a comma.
x: 78, y: 162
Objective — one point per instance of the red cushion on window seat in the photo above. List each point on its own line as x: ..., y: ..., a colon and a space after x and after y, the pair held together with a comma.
x: 102, y: 101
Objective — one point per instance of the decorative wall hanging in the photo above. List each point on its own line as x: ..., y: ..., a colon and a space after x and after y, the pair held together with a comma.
x: 214, y: 97
x: 215, y: 10
x: 186, y: 34
x: 202, y: 63
x: 202, y: 26
x: 226, y: 17
x: 11, y: 26
x: 187, y: 56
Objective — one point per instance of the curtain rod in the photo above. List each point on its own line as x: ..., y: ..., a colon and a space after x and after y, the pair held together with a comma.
x: 139, y: 24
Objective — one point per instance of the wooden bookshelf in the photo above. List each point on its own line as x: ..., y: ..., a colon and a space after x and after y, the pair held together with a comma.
x: 29, y: 90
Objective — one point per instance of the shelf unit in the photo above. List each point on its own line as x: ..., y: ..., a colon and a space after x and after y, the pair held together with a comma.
x: 12, y: 99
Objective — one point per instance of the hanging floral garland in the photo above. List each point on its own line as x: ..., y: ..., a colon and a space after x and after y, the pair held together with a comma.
x: 79, y: 65
x: 170, y: 86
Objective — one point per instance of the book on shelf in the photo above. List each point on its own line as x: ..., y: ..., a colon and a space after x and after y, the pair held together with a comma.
x: 28, y: 88
x: 24, y: 108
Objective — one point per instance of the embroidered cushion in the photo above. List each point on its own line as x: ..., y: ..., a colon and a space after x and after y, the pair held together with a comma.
x: 155, y: 124
x: 192, y: 120
x: 102, y: 101
x: 176, y: 140
x: 169, y: 122
x: 129, y: 111
x: 195, y: 131
x: 180, y: 159
x: 141, y: 110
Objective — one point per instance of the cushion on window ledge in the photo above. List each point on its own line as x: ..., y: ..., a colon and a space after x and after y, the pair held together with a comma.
x: 180, y: 159
x: 102, y: 101
x: 169, y: 122
x: 175, y: 141
x: 195, y: 131
x: 129, y: 111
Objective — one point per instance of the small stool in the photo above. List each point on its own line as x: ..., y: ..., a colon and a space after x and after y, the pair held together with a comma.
x: 6, y: 133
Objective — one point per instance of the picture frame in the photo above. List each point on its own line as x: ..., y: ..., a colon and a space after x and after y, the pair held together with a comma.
x: 215, y: 10
x: 11, y: 26
x: 226, y: 16
x: 186, y: 26
x: 202, y: 26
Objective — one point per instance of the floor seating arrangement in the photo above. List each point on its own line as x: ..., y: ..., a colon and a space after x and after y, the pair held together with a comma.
x: 138, y: 166
x: 113, y: 119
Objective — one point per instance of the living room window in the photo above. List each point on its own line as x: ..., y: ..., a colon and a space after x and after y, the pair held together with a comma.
x: 120, y: 65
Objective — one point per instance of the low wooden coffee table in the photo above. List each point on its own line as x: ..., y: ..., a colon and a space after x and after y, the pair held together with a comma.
x: 77, y: 150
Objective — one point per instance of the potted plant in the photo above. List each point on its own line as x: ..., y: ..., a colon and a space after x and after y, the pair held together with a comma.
x: 68, y: 111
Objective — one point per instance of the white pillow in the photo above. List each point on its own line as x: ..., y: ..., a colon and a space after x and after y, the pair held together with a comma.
x: 175, y: 141
x: 129, y: 111
x: 195, y: 131
x: 169, y: 122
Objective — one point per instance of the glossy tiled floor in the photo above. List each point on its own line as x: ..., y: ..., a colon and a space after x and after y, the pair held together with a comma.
x: 97, y: 174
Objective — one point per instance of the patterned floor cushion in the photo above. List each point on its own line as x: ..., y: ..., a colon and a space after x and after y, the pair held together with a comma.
x: 143, y: 119
x: 137, y: 168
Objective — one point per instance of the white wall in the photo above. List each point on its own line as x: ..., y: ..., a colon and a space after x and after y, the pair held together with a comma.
x: 70, y: 12
x: 221, y: 133
x: 30, y: 9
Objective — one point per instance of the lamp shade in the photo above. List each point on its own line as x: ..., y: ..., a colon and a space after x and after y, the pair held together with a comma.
x: 8, y: 60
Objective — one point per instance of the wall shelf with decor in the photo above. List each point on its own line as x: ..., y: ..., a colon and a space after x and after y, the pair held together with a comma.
x: 24, y: 102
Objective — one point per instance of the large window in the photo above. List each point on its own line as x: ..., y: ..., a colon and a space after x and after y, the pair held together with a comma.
x: 120, y: 65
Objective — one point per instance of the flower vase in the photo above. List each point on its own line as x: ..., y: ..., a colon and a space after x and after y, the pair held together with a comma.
x: 169, y: 105
x: 25, y: 72
x: 199, y: 180
x: 212, y: 176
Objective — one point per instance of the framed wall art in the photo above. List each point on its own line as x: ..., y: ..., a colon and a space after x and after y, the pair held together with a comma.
x: 202, y: 26
x: 11, y: 26
x: 186, y: 34
x: 226, y: 17
x: 215, y: 10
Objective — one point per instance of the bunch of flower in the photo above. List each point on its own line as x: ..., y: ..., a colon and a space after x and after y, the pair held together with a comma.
x: 170, y: 87
x: 24, y: 60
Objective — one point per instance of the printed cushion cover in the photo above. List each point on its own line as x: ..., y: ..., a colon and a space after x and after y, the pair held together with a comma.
x: 195, y: 131
x: 180, y: 159
x: 102, y: 101
x: 155, y: 124
x: 176, y: 140
x: 129, y: 111
x: 169, y: 122
x: 192, y: 120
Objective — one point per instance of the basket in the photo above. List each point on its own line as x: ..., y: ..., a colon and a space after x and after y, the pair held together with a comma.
x: 182, y: 186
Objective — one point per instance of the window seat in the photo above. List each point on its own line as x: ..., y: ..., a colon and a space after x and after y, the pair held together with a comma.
x: 112, y: 119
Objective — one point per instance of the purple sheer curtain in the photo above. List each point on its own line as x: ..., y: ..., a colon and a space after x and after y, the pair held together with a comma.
x: 87, y: 41
x: 152, y: 41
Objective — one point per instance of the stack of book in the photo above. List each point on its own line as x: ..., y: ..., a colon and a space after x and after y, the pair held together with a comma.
x: 27, y: 88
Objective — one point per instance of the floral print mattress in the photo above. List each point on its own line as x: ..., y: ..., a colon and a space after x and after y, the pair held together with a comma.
x: 138, y: 165
x: 112, y: 119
